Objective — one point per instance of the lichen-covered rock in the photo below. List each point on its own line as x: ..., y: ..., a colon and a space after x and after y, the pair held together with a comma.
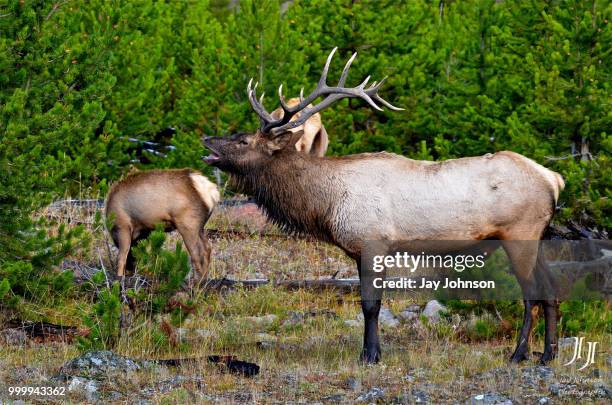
x: 372, y: 395
x: 432, y: 310
x: 387, y: 319
x: 86, y: 387
x: 490, y: 398
x: 99, y: 364
x: 261, y: 321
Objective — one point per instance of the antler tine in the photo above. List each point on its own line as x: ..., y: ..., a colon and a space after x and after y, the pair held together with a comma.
x: 387, y: 104
x: 258, y: 107
x: 345, y: 70
x: 302, y: 94
x: 372, y: 91
x: 323, y: 79
x: 282, y: 99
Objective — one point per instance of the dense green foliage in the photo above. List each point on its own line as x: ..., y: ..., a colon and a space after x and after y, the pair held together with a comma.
x: 166, y: 272
x: 79, y: 78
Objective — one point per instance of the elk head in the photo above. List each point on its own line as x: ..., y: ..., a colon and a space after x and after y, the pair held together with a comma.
x: 241, y: 152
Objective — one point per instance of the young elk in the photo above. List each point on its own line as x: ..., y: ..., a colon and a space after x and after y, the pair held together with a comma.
x: 180, y: 199
x: 382, y: 196
x: 314, y: 140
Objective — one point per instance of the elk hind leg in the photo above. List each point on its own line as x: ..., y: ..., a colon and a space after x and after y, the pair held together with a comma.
x: 131, y: 260
x: 122, y: 236
x: 195, y: 247
x: 550, y: 304
x: 523, y: 256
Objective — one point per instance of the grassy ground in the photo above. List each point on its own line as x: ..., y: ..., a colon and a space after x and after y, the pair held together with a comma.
x: 306, y: 351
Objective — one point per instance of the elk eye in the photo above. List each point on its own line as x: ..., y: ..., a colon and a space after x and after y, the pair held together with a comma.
x: 243, y: 142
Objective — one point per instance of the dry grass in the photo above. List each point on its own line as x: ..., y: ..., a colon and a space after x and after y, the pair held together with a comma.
x: 314, y: 360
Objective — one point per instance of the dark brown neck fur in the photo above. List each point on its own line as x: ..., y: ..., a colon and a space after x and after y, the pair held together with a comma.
x: 293, y: 192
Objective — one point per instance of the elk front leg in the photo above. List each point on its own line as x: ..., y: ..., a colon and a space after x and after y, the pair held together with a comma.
x: 370, y: 306
x: 371, y: 344
x: 206, y: 248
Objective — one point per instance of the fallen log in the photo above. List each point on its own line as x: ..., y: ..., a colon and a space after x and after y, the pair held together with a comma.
x: 227, y: 363
x: 44, y: 332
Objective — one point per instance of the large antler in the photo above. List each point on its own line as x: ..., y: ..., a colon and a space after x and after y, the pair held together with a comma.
x: 270, y: 125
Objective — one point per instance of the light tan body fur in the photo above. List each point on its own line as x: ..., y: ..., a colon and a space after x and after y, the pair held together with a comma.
x: 180, y: 199
x: 315, y: 140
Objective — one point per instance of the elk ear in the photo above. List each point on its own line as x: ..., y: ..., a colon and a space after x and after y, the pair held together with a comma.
x: 284, y: 139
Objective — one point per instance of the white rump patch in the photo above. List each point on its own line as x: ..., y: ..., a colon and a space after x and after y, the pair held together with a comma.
x: 554, y: 178
x: 207, y: 190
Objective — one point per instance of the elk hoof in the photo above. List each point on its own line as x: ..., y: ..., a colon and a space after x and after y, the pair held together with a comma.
x: 546, y: 357
x: 519, y: 356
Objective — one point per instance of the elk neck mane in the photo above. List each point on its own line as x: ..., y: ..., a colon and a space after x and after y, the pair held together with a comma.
x: 292, y: 193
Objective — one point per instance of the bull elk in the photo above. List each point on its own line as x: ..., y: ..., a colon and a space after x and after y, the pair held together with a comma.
x: 181, y: 199
x: 383, y: 196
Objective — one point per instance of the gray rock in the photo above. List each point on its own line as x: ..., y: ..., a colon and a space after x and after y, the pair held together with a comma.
x: 566, y: 342
x: 387, y: 319
x: 186, y: 335
x: 372, y: 395
x: 544, y: 400
x: 294, y: 318
x: 177, y: 381
x: 244, y: 397
x: 561, y: 389
x: 538, y: 372
x: 416, y: 373
x: 490, y: 398
x: 602, y: 390
x: 261, y: 321
x: 407, y: 316
x: 99, y: 364
x: 408, y: 378
x: 353, y: 323
x: 113, y: 396
x: 432, y: 310
x: 352, y: 383
x: 88, y: 388
x: 203, y: 333
x: 27, y: 374
x: 265, y: 337
x: 333, y: 398
x: 420, y: 397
